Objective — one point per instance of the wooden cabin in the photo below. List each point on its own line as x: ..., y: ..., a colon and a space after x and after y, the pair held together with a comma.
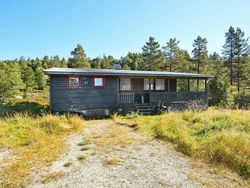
x: 100, y: 91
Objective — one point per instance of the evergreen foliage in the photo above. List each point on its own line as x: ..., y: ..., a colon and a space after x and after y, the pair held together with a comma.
x: 152, y: 55
x: 20, y: 76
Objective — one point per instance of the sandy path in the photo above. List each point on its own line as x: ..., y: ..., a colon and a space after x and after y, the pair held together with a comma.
x: 118, y: 156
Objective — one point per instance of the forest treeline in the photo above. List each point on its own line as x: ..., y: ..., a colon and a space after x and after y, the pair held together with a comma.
x: 230, y: 87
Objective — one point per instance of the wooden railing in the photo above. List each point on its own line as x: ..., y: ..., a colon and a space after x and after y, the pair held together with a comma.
x: 126, y: 98
x: 166, y: 97
x: 177, y: 97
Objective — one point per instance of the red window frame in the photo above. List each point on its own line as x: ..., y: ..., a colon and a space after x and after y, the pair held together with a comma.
x: 164, y: 84
x: 74, y: 76
x: 103, y: 81
x: 120, y: 85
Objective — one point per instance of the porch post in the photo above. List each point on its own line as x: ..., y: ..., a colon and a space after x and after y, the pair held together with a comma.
x: 206, y: 93
x: 117, y: 91
x: 168, y: 85
x: 206, y: 85
x: 198, y: 85
x: 149, y: 80
x: 188, y: 85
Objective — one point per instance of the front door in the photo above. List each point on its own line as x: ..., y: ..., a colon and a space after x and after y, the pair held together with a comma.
x: 141, y: 96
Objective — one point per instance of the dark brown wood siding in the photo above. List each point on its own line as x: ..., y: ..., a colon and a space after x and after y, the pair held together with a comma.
x: 86, y: 97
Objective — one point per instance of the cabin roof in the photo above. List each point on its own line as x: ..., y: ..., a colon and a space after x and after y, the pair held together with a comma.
x: 112, y: 72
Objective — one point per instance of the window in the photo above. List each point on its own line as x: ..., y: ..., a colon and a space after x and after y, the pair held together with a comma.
x: 125, y: 84
x: 74, y: 81
x: 146, y: 84
x: 98, y: 81
x: 160, y: 84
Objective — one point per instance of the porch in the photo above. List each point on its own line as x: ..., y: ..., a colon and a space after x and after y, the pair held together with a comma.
x: 150, y: 93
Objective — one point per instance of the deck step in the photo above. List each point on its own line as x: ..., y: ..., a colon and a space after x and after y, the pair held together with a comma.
x: 144, y: 109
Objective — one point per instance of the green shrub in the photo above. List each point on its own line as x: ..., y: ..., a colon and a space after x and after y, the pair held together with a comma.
x: 84, y: 148
x: 67, y: 164
x: 83, y: 143
x: 80, y: 158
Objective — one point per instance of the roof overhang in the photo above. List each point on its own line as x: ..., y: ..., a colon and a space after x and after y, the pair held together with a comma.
x: 123, y: 73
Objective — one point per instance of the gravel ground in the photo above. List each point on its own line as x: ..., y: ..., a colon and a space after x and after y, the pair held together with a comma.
x: 117, y: 156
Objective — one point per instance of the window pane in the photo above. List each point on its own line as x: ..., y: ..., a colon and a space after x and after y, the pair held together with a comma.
x: 73, y: 81
x: 98, y: 81
x: 125, y: 84
x: 160, y: 84
x: 146, y: 84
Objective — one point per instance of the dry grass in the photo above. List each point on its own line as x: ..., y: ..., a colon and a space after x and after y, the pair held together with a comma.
x: 52, y: 176
x: 35, y: 142
x: 220, y: 137
x: 113, y: 137
x: 111, y: 161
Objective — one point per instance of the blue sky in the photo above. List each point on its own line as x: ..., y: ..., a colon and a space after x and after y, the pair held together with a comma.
x: 33, y: 28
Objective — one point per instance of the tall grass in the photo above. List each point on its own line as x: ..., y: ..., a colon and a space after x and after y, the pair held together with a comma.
x: 34, y: 105
x: 217, y: 136
x: 34, y: 142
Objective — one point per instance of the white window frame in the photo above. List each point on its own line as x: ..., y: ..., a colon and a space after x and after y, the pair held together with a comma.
x: 157, y: 82
x: 146, y: 84
x: 129, y: 80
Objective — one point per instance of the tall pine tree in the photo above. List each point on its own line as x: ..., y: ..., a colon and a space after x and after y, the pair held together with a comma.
x: 152, y: 55
x: 200, y: 53
x: 229, y: 50
x: 79, y: 59
x: 171, y: 52
x: 241, y: 49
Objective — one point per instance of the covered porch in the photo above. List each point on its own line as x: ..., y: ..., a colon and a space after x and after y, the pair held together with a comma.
x: 167, y: 90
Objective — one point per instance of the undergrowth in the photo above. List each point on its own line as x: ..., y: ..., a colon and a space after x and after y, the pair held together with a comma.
x: 217, y: 136
x: 33, y: 142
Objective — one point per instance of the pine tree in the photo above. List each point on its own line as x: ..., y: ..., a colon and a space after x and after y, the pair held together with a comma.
x: 241, y: 49
x: 28, y: 78
x: 152, y: 55
x: 41, y: 78
x: 132, y: 60
x: 10, y: 79
x: 96, y: 63
x: 171, y: 52
x: 200, y: 53
x: 79, y: 59
x: 229, y: 50
x: 64, y: 63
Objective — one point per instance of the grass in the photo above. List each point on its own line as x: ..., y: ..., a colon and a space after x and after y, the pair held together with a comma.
x: 84, y: 148
x: 112, y: 161
x: 83, y: 143
x: 67, y: 164
x: 52, y: 176
x: 34, y: 142
x: 82, y: 157
x: 32, y: 106
x: 220, y: 137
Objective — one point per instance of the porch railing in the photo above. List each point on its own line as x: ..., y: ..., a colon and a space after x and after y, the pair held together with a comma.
x: 169, y: 97
x: 126, y: 98
x: 177, y: 97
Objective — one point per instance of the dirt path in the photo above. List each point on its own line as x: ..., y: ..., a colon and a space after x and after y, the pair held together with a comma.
x: 117, y: 156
